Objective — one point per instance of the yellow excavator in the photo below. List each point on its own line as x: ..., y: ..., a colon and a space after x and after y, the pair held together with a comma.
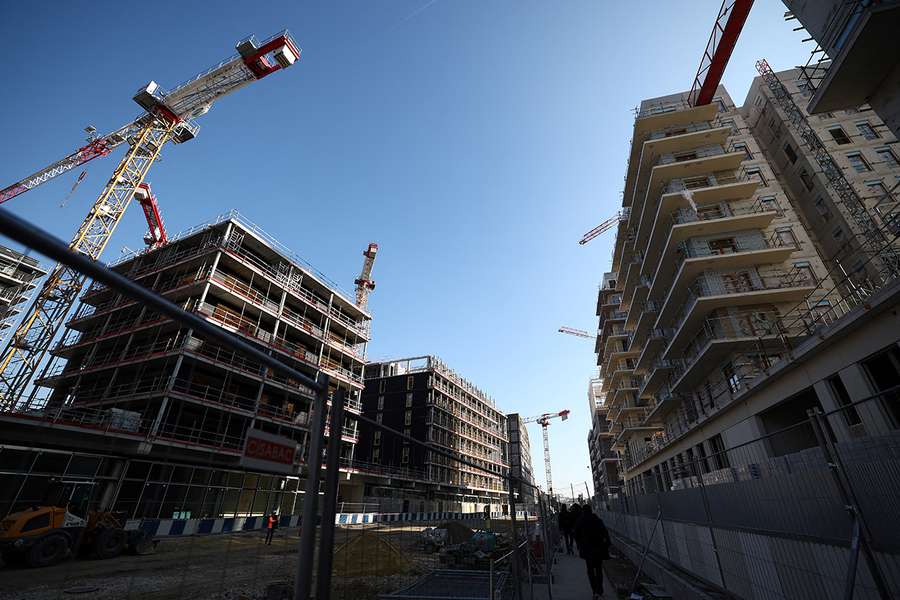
x: 63, y: 525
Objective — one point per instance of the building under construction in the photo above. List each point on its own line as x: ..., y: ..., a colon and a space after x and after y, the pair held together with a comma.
x: 140, y: 388
x: 425, y: 399
x: 18, y: 276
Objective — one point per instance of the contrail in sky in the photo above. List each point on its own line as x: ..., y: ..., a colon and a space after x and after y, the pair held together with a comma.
x: 417, y: 11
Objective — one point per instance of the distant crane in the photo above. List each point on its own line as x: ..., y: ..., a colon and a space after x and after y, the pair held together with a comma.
x: 601, y: 228
x: 167, y: 117
x: 544, y: 421
x: 365, y: 283
x: 576, y: 332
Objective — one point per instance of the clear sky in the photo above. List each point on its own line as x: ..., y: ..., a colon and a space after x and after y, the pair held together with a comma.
x: 474, y: 141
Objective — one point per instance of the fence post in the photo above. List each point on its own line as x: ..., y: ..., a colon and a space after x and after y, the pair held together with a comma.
x: 637, y: 575
x: 836, y: 467
x: 306, y: 551
x: 329, y: 502
x: 549, y: 546
x: 514, y: 538
x: 709, y: 521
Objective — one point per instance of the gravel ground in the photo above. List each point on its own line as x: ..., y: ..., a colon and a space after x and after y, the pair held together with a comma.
x: 233, y: 567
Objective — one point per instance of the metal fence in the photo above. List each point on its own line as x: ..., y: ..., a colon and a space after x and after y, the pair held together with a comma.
x: 791, y: 514
x: 316, y: 551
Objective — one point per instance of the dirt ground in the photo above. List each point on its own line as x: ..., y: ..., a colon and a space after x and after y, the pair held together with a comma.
x: 230, y: 567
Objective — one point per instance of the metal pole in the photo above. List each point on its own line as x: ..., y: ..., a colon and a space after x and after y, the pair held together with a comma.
x: 305, y: 554
x: 854, y: 559
x: 514, y: 538
x: 843, y: 483
x: 491, y: 579
x: 332, y: 473
x: 644, y: 553
x: 548, y: 545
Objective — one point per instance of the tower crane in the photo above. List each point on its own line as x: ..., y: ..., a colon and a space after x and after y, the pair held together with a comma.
x: 365, y: 283
x: 169, y: 116
x: 544, y: 421
x: 726, y: 30
x: 576, y: 332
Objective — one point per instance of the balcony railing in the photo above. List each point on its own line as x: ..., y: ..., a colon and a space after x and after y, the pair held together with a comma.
x: 696, y: 154
x: 706, y: 285
x: 686, y: 251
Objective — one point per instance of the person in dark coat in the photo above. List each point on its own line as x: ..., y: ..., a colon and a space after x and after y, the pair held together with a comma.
x: 566, y: 527
x: 592, y: 538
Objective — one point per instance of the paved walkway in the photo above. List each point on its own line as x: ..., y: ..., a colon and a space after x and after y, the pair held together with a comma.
x: 571, y: 582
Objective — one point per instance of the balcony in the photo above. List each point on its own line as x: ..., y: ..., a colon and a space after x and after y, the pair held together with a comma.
x: 638, y: 300
x: 657, y: 339
x: 699, y: 201
x: 711, y: 292
x: 731, y: 253
x: 663, y: 174
x: 645, y: 315
x: 720, y: 337
x: 656, y: 377
x: 658, y: 119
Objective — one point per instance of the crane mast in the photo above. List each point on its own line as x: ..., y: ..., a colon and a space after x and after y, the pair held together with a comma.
x: 365, y: 283
x: 544, y: 421
x: 168, y: 118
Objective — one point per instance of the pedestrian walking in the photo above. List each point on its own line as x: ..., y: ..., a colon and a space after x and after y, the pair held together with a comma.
x: 271, y: 526
x: 566, y: 527
x: 592, y: 539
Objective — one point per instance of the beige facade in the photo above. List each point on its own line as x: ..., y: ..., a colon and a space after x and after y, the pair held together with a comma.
x: 715, y: 277
x: 867, y: 157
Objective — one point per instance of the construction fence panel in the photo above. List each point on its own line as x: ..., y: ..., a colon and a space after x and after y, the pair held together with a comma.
x: 771, y: 523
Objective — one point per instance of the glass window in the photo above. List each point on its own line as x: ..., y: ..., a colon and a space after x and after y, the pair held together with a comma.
x: 770, y: 202
x: 787, y: 237
x: 789, y: 152
x: 867, y: 131
x: 858, y: 162
x: 806, y: 178
x: 888, y: 157
x: 823, y: 209
x: 742, y: 147
x: 839, y: 391
x: 839, y: 135
x: 757, y: 172
x: 409, y: 399
x: 380, y: 402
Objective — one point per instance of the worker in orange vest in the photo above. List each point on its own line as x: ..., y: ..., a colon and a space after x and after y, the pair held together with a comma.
x: 271, y: 526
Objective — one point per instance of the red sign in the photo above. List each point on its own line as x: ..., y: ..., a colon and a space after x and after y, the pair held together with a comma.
x: 266, y: 450
x: 269, y: 452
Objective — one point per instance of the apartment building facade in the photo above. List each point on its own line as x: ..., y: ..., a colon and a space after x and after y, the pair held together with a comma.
x: 150, y: 388
x: 711, y: 262
x: 604, y: 461
x: 423, y: 398
x: 867, y: 159
x: 18, y: 274
x: 520, y: 465
x: 856, y: 60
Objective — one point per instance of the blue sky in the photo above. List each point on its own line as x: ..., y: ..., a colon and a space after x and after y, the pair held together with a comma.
x: 474, y: 141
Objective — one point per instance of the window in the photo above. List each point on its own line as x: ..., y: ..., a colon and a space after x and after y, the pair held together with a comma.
x: 731, y: 378
x: 742, y: 147
x: 888, y: 157
x: 380, y: 402
x: 409, y: 399
x: 786, y: 236
x: 757, y: 172
x: 838, y: 233
x: 803, y: 86
x: 407, y: 418
x: 822, y: 209
x: 728, y: 123
x: 409, y: 382
x: 407, y: 431
x: 720, y: 104
x: 376, y: 440
x: 404, y: 456
x: 720, y: 456
x: 789, y: 152
x: 378, y: 418
x: 773, y: 123
x: 858, y: 162
x: 381, y: 386
x: 683, y: 156
x: 806, y: 179
x: 758, y: 101
x: 838, y: 135
x: 722, y: 246
x: 867, y: 131
x: 770, y: 202
x: 376, y: 454
x: 877, y: 188
x: 842, y: 397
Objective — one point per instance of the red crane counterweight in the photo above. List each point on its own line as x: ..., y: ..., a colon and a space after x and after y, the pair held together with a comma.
x: 156, y: 232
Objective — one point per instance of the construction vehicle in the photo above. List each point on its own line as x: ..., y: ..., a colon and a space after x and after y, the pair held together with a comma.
x: 63, y: 525
x: 544, y: 421
x: 726, y: 30
x: 167, y: 117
